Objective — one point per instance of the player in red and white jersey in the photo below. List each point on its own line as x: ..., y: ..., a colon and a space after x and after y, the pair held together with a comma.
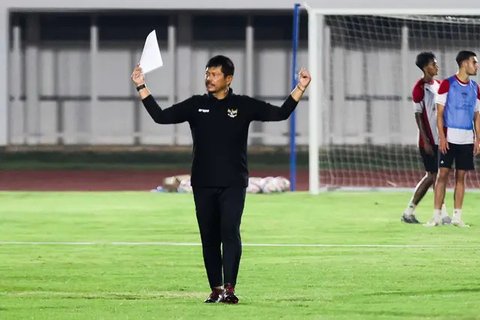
x: 423, y: 96
x: 458, y: 124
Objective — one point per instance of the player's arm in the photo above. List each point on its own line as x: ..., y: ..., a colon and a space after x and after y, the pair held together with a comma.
x: 476, y: 119
x: 175, y: 114
x: 476, y: 123
x: 418, y: 96
x: 440, y: 100
x: 423, y: 134
x: 442, y: 139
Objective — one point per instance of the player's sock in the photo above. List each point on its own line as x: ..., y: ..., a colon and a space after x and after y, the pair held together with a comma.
x: 457, y: 214
x: 444, y: 211
x: 410, y: 209
x: 437, y: 215
x: 436, y: 219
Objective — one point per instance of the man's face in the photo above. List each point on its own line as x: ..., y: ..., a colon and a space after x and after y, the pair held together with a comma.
x: 215, y: 80
x: 431, y: 68
x: 471, y: 66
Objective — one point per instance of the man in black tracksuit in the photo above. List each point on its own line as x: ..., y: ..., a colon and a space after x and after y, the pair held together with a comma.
x: 219, y: 122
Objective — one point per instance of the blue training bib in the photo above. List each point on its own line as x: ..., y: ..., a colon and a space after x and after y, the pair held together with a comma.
x: 460, y: 105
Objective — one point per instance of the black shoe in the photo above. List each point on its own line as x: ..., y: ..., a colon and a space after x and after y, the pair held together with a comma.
x: 215, y: 296
x: 229, y: 295
x: 410, y: 219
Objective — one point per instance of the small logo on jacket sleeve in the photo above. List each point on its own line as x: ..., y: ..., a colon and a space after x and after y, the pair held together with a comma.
x: 232, y: 112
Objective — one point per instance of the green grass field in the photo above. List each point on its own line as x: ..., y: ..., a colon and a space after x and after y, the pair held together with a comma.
x: 110, y: 256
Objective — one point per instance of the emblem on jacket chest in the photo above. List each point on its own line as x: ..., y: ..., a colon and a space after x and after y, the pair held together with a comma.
x: 232, y: 112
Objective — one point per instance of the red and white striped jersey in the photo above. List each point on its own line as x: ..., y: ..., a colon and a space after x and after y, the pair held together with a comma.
x: 423, y: 96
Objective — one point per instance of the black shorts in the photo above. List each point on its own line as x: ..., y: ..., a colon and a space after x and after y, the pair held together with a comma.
x: 461, y: 154
x: 430, y: 161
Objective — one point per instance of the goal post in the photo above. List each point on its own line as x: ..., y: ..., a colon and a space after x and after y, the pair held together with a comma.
x: 315, y: 44
x: 362, y: 130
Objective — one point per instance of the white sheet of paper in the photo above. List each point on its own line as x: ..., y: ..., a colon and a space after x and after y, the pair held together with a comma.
x: 151, y: 58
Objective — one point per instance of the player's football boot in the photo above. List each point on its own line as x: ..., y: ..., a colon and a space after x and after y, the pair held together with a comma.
x: 215, y: 296
x: 229, y: 294
x: 446, y: 220
x: 459, y: 223
x: 409, y: 219
x: 434, y: 222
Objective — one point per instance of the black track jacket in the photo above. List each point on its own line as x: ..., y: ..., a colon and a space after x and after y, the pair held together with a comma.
x: 220, y: 132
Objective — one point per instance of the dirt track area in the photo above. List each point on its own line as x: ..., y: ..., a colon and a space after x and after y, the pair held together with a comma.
x: 106, y: 180
x: 137, y: 180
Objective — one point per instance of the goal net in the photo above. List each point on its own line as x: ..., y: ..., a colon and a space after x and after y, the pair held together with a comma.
x: 366, y: 129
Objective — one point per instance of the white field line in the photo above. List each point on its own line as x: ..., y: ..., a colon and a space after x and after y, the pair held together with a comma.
x: 193, y: 244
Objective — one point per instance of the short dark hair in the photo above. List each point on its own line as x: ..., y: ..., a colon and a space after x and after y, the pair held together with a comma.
x: 464, y: 55
x: 221, y: 61
x: 424, y: 58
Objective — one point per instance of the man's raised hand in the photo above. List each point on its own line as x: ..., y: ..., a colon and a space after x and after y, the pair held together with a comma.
x: 137, y: 76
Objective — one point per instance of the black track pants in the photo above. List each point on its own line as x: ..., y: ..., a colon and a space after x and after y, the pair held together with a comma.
x: 219, y: 213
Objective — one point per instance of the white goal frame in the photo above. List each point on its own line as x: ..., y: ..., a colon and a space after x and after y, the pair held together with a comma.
x: 316, y: 50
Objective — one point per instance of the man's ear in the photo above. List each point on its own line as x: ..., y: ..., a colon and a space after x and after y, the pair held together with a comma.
x: 229, y: 79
